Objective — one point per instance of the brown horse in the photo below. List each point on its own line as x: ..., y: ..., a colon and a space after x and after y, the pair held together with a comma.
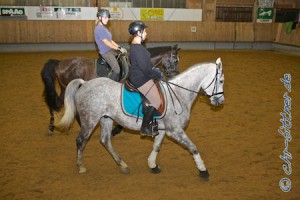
x: 65, y: 71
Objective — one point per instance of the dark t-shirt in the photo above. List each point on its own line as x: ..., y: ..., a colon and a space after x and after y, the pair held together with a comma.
x: 141, y: 68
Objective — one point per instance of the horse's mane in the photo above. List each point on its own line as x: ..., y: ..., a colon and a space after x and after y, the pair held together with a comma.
x: 196, y: 65
x: 156, y: 51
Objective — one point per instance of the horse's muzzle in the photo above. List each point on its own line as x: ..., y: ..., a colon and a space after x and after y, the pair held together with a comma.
x: 216, y: 101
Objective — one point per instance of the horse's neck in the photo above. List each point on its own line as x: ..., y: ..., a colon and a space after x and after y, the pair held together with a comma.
x: 157, y: 60
x: 191, y: 80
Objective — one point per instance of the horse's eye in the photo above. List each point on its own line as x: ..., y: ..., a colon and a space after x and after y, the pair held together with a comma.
x: 221, y: 81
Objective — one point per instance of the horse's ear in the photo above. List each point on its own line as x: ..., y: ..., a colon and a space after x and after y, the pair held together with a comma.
x: 219, y: 63
x: 175, y: 46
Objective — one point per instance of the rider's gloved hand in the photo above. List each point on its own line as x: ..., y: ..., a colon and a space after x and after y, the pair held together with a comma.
x: 163, y: 78
x: 156, y: 69
x: 122, y: 50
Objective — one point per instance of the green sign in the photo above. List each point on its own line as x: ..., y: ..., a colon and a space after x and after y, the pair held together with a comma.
x: 264, y: 14
x: 12, y: 11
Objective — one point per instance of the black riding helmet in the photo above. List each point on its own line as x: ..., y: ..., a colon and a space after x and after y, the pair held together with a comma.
x: 136, y: 26
x: 103, y: 13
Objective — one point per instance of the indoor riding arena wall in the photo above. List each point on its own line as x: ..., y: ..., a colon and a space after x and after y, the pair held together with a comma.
x: 241, y: 144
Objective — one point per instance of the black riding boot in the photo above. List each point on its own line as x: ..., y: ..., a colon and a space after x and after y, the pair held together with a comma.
x: 147, y: 128
x: 114, y: 76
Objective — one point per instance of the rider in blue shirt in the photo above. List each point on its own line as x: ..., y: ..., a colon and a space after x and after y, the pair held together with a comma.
x: 106, y: 45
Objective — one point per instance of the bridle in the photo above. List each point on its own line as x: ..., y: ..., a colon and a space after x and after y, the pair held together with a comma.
x: 172, y: 61
x: 201, y: 92
x: 214, y: 92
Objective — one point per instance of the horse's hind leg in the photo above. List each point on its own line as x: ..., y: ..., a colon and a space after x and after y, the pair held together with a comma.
x: 184, y: 140
x: 81, y: 141
x: 105, y: 138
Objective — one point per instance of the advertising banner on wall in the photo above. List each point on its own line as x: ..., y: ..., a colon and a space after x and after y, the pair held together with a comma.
x: 116, y: 13
x: 265, y: 11
x: 156, y: 14
x: 58, y: 13
x: 12, y: 11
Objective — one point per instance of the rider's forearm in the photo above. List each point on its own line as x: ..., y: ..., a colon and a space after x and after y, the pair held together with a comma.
x: 111, y: 44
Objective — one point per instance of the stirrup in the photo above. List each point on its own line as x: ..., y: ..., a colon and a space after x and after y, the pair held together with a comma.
x: 150, y: 130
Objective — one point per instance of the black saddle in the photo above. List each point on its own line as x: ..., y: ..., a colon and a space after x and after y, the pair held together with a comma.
x: 103, y: 68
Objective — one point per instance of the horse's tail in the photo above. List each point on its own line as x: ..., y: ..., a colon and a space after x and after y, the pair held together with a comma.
x: 69, y: 102
x: 48, y: 76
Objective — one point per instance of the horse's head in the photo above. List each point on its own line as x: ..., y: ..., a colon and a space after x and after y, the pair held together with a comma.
x: 166, y: 57
x: 213, y: 87
x: 170, y: 61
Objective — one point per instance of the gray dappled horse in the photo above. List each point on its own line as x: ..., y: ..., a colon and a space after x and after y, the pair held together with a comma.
x: 98, y: 100
x: 64, y: 71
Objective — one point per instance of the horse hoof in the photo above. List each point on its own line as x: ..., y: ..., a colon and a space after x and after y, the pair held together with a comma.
x: 156, y: 170
x: 204, y: 175
x: 82, y: 170
x: 125, y: 170
x: 50, y: 132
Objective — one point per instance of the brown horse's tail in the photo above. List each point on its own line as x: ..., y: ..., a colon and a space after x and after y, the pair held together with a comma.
x: 48, y: 76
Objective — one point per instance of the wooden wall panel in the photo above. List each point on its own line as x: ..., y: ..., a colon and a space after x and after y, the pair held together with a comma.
x: 292, y: 38
x: 236, y: 2
x: 225, y: 31
x: 244, y: 32
x: 119, y: 30
x: 39, y: 31
x: 264, y: 32
x: 206, y: 31
x: 287, y: 4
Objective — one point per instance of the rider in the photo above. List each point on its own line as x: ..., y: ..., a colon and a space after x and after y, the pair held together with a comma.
x: 106, y: 45
x: 142, y: 74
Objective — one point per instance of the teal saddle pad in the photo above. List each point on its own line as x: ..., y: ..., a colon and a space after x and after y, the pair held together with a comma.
x: 131, y: 103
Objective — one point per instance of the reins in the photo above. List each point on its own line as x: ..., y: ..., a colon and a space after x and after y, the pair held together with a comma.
x: 201, y: 92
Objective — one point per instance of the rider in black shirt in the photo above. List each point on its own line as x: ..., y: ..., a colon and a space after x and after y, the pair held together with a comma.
x: 142, y: 74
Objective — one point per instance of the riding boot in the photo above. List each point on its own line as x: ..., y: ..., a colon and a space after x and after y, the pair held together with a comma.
x: 147, y: 128
x: 114, y: 76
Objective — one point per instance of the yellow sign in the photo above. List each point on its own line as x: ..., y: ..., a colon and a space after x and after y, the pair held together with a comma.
x: 152, y: 13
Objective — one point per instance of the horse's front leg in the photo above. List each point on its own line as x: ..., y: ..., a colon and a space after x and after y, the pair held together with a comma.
x: 105, y: 138
x: 156, y: 147
x: 181, y: 137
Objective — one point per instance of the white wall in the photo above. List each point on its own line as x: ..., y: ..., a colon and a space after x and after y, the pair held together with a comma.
x: 89, y: 13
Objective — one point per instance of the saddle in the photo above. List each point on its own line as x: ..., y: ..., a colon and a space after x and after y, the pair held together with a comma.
x: 133, y: 103
x: 103, y: 68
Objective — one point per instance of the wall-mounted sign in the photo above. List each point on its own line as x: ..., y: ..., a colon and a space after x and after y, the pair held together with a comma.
x: 116, y: 13
x: 265, y: 15
x: 12, y: 11
x: 152, y: 14
x: 68, y: 13
x: 265, y: 11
